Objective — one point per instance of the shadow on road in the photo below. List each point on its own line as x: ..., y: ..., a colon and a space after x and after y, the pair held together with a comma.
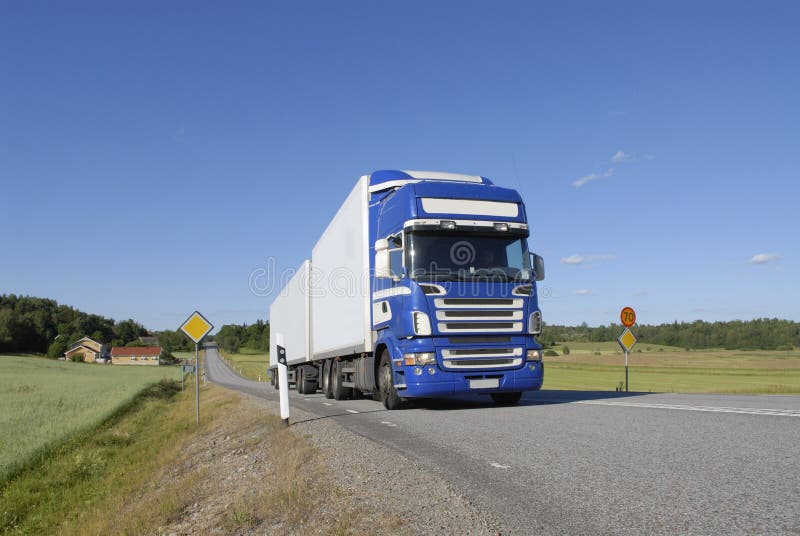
x: 336, y: 415
x: 536, y: 398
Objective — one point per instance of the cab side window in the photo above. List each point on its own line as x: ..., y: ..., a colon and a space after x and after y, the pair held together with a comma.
x: 396, y: 254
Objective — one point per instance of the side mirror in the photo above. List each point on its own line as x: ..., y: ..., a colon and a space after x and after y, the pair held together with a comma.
x: 538, y: 266
x: 382, y: 267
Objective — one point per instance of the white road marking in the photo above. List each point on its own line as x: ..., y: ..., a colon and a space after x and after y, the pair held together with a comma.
x: 499, y: 466
x: 327, y: 403
x: 387, y: 423
x: 682, y: 407
x: 351, y: 411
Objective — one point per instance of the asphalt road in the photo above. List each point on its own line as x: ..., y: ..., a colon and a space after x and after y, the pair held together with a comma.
x: 573, y: 462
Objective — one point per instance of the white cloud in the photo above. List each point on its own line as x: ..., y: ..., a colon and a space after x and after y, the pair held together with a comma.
x: 583, y: 292
x: 764, y: 258
x: 580, y: 259
x: 620, y: 156
x: 592, y: 177
x: 573, y: 259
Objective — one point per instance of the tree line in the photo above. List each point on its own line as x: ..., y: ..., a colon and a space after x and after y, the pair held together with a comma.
x: 42, y: 326
x: 758, y: 334
x: 233, y: 337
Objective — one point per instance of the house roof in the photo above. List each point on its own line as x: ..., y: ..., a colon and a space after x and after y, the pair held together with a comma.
x: 80, y: 342
x: 127, y: 351
x: 81, y: 347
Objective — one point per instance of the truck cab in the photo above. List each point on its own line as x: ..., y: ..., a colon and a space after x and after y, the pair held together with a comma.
x: 454, y: 301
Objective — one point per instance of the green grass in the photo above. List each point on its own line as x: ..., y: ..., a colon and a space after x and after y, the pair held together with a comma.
x: 101, y: 481
x: 138, y: 473
x: 697, y: 371
x: 610, y: 347
x: 43, y: 402
x: 249, y: 363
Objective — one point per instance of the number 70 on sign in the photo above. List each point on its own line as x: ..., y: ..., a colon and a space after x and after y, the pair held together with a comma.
x: 628, y: 317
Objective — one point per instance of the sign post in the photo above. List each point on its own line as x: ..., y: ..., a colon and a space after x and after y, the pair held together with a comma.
x: 628, y: 318
x: 196, y: 327
x: 283, y: 379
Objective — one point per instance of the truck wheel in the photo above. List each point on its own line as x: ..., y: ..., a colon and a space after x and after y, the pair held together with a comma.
x: 274, y: 378
x: 340, y: 392
x: 326, y: 379
x: 298, y: 379
x: 308, y: 386
x: 391, y: 400
x: 506, y: 399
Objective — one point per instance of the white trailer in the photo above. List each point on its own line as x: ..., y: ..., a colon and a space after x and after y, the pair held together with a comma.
x: 290, y: 314
x: 340, y: 302
x: 324, y: 310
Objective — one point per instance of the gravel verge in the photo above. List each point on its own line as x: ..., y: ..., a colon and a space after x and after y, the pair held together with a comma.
x: 382, y: 479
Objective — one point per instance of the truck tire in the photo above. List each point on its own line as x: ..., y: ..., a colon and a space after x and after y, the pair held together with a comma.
x: 340, y: 392
x: 506, y: 399
x: 326, y: 379
x: 298, y: 379
x: 274, y: 378
x: 391, y: 400
x: 308, y: 386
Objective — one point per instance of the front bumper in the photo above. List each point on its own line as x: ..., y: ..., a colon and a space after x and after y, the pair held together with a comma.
x: 443, y: 383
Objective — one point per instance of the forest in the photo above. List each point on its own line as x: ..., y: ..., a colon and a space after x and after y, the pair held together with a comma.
x: 42, y: 326
x: 233, y: 337
x: 758, y: 334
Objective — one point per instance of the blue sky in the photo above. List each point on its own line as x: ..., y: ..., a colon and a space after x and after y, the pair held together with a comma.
x: 155, y: 155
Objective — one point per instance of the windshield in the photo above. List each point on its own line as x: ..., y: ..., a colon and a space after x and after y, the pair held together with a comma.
x: 465, y: 257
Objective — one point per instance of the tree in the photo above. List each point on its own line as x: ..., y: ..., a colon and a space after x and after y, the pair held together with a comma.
x: 129, y: 331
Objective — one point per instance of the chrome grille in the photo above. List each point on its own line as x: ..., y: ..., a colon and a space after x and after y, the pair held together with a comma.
x: 467, y: 314
x: 481, y: 358
x: 481, y: 363
x: 477, y: 303
x: 479, y: 315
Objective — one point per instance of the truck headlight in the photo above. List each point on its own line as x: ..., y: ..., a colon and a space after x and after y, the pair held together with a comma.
x: 419, y: 359
x: 422, y: 324
x: 535, y: 323
x: 534, y: 355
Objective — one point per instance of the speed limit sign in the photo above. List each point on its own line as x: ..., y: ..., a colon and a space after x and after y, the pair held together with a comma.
x: 628, y: 317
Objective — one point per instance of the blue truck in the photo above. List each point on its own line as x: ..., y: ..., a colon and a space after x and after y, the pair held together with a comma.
x: 422, y: 286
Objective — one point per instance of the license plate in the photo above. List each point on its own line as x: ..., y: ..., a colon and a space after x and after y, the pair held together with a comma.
x: 484, y: 383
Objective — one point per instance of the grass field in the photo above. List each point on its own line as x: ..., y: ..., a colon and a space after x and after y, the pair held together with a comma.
x: 610, y: 347
x: 44, y: 401
x: 652, y: 368
x: 665, y: 369
x: 249, y: 363
x: 138, y: 473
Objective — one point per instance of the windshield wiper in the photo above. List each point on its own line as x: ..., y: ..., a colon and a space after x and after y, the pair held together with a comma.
x: 488, y: 274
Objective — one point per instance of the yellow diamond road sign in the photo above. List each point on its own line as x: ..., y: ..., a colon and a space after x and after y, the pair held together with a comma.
x: 196, y: 327
x: 627, y: 340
